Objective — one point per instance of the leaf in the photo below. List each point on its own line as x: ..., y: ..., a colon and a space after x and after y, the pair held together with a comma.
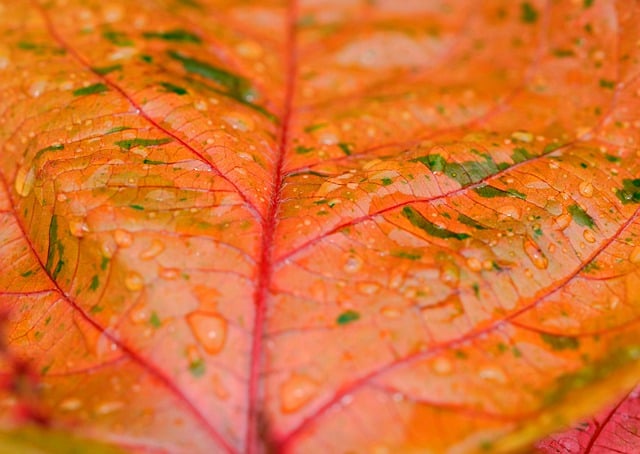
x: 318, y: 226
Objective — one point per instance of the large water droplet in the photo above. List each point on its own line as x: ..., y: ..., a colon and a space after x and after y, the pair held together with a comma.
x: 123, y: 238
x: 154, y: 250
x: 352, y: 264
x: 586, y: 189
x: 25, y: 180
x: 296, y: 392
x: 536, y: 256
x: 589, y: 236
x: 209, y: 329
x: 562, y: 222
x: 133, y: 281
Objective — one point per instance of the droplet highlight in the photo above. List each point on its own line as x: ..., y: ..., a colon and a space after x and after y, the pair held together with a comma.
x: 209, y: 329
x: 296, y: 392
x: 534, y: 253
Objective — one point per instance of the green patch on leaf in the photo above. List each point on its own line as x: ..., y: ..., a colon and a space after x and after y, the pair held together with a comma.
x: 136, y: 207
x: 528, y: 14
x: 300, y: 149
x: 491, y: 192
x: 407, y: 255
x: 520, y: 155
x: 96, y: 309
x: 197, y: 368
x: 346, y: 148
x: 55, y: 254
x: 608, y: 84
x: 418, y: 220
x: 117, y: 38
x: 612, y: 158
x: 117, y: 129
x: 386, y: 181
x: 104, y: 262
x: 315, y: 127
x: 154, y: 320
x: 581, y: 216
x: 133, y: 143
x: 560, y: 342
x: 91, y: 90
x: 177, y: 35
x: 104, y: 70
x: 630, y: 192
x: 463, y: 172
x: 347, y: 317
x: 146, y: 58
x: 466, y: 220
x: 26, y: 273
x: 152, y: 162
x: 95, y: 283
x: 563, y: 53
x: 171, y: 88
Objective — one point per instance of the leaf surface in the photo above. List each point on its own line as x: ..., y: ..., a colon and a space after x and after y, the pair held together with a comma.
x: 322, y: 226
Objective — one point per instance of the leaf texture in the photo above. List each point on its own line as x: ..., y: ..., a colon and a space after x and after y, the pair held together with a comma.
x: 320, y: 226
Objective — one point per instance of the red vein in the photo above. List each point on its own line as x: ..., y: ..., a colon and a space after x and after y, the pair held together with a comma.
x: 269, y: 224
x: 133, y: 355
x: 368, y: 378
x: 604, y: 423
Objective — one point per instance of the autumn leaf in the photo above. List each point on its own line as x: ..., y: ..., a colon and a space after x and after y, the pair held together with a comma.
x: 316, y: 226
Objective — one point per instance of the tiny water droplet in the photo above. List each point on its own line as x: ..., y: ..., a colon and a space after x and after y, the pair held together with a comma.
x: 296, y: 392
x: 78, y: 228
x: 109, y: 407
x: 133, y: 281
x: 168, y: 273
x: 536, y: 256
x: 153, y: 251
x: 140, y: 314
x: 25, y: 180
x: 352, y: 264
x: 586, y: 189
x: 209, y: 329
x: 37, y: 88
x: 442, y: 366
x: 493, y: 374
x: 123, y: 238
x: 368, y: 288
x: 510, y: 211
x: 70, y: 404
x: 589, y: 236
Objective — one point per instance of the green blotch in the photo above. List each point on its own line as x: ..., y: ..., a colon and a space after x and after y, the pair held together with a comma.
x: 27, y: 45
x: 238, y: 87
x: 347, y: 317
x: 476, y: 289
x: 171, y: 88
x: 608, y: 84
x: 560, y: 342
x: 152, y: 162
x: 117, y: 129
x: 154, y: 320
x: 537, y: 232
x: 464, y: 172
x: 91, y: 90
x: 491, y: 192
x: 612, y: 158
x: 45, y: 369
x: 104, y: 70
x: 591, y: 266
x: 630, y: 192
x: 520, y: 155
x: 178, y: 35
x: 117, y: 38
x: 55, y: 261
x: 346, y: 148
x: 104, y: 262
x: 303, y: 150
x: 584, y: 165
x: 528, y: 13
x: 197, y: 368
x: 96, y: 309
x: 26, y: 273
x: 133, y: 143
x: 587, y: 3
x: 386, y: 181
x: 466, y: 220
x: 563, y: 53
x: 55, y: 147
x: 551, y: 147
x: 315, y: 127
x: 146, y: 58
x: 407, y: 255
x: 136, y: 207
x: 581, y: 216
x: 95, y: 283
x: 417, y: 220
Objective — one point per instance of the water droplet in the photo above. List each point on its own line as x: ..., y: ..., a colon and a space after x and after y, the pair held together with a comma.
x: 109, y: 407
x: 474, y: 264
x: 536, y: 256
x: 296, y: 392
x: 123, y: 238
x: 510, y: 211
x: 589, y: 236
x: 140, y: 314
x: 353, y: 264
x: 209, y: 329
x: 614, y: 301
x: 522, y: 136
x: 218, y: 387
x: 442, y: 366
x: 37, y: 88
x: 25, y: 180
x: 493, y: 374
x: 154, y: 250
x: 450, y: 274
x: 168, y: 273
x: 368, y: 288
x: 70, y: 404
x: 133, y: 281
x: 634, y: 257
x: 240, y: 122
x: 78, y: 228
x: 586, y: 189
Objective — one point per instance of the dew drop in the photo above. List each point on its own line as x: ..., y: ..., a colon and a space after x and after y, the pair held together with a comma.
x: 586, y: 189
x: 296, y: 392
x: 78, y: 228
x: 474, y: 264
x: 37, y: 88
x: 442, y: 366
x: 536, y: 256
x: 140, y: 314
x: 209, y: 329
x: 25, y: 180
x: 109, y: 407
x: 562, y: 221
x: 634, y: 257
x: 153, y: 251
x: 588, y: 236
x: 133, y: 281
x: 70, y: 404
x: 218, y: 387
x: 352, y: 264
x: 493, y: 374
x: 368, y: 288
x: 168, y: 273
x: 510, y: 211
x: 123, y: 238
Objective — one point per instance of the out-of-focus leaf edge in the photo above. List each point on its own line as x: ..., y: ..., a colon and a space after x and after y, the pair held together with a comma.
x: 36, y: 440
